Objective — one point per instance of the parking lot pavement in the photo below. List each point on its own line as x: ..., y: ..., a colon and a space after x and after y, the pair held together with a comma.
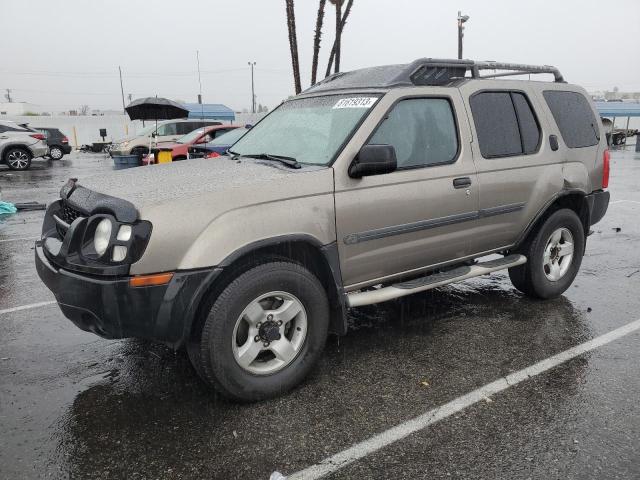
x: 74, y: 405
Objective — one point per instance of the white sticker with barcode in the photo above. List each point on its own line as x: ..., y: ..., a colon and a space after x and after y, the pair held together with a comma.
x: 356, y: 102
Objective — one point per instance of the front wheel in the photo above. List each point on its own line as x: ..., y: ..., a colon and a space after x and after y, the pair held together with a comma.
x: 554, y: 255
x: 264, y: 332
x: 18, y: 159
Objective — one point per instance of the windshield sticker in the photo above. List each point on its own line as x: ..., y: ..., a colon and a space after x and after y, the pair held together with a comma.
x: 356, y: 102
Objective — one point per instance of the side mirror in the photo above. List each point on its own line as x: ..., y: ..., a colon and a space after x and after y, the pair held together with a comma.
x: 373, y: 160
x: 154, y: 135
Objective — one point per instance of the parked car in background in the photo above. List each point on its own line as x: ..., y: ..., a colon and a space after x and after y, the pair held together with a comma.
x: 219, y: 145
x: 201, y: 136
x: 57, y: 141
x: 19, y: 145
x: 167, y: 131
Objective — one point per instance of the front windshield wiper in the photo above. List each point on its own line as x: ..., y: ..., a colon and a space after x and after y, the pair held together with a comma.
x: 288, y: 161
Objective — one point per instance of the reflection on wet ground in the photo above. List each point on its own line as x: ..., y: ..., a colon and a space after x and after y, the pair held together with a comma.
x: 73, y: 405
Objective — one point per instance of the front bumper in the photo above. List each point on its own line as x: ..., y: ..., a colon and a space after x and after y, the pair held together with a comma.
x: 110, y: 308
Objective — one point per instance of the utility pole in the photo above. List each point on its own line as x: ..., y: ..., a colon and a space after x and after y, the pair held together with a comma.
x: 122, y: 90
x: 8, y: 95
x: 253, y: 95
x: 199, y: 79
x: 461, y: 21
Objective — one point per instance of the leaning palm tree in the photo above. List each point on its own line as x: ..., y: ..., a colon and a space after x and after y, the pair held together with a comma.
x: 335, y: 50
x: 293, y: 44
x: 316, y: 41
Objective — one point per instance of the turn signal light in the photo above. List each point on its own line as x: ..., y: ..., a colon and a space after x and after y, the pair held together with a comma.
x: 605, y: 168
x: 150, y: 280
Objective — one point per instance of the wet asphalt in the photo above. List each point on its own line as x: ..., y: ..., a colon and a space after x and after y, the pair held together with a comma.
x: 73, y: 405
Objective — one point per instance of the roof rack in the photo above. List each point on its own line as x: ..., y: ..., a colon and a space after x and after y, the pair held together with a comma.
x: 432, y: 71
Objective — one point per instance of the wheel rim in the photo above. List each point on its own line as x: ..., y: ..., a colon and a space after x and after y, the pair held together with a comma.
x: 558, y: 254
x: 18, y: 159
x: 269, y: 333
x: 55, y: 153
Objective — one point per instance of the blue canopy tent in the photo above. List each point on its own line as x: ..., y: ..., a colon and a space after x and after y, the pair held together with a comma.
x: 614, y: 110
x: 210, y: 111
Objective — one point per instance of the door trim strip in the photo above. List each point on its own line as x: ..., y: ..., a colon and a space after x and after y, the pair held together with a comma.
x: 393, y: 230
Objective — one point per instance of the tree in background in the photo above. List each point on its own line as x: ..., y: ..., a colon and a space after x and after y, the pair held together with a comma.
x: 334, y: 57
x: 293, y: 44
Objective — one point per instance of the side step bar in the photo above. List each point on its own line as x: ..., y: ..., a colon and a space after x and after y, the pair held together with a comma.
x: 432, y: 281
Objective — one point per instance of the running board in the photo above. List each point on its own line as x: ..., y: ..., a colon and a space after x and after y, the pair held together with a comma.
x: 432, y: 281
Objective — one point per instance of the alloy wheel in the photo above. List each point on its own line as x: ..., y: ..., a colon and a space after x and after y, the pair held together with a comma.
x: 558, y: 254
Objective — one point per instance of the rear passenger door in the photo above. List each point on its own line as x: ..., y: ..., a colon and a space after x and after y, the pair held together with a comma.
x: 517, y: 171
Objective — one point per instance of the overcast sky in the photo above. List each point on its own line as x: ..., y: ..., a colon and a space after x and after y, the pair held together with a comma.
x: 62, y: 54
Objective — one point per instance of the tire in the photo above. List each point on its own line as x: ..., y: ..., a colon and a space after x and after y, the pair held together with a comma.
x: 549, y: 270
x: 244, y: 318
x: 56, y: 153
x: 18, y: 158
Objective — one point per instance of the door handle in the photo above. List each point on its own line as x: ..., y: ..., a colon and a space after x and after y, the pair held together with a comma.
x: 553, y: 142
x: 462, y: 182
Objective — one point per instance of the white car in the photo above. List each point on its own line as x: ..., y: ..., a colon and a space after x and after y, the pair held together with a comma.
x: 19, y: 145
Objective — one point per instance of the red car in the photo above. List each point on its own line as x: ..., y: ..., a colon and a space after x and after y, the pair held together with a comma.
x: 179, y: 148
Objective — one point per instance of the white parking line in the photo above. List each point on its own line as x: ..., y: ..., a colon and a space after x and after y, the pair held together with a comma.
x: 373, y: 444
x: 19, y: 239
x: 624, y: 201
x: 27, y: 307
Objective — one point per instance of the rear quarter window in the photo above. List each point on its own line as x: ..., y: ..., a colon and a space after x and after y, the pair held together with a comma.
x: 574, y: 117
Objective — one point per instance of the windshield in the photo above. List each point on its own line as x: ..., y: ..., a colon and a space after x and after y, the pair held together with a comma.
x: 229, y: 138
x: 147, y: 130
x: 191, y: 137
x: 311, y: 130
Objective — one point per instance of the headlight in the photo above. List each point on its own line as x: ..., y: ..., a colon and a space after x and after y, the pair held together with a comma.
x: 102, y: 236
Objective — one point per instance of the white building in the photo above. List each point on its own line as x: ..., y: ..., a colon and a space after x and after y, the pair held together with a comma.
x: 19, y: 108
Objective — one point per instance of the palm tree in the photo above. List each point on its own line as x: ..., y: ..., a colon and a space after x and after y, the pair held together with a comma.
x: 293, y: 44
x: 316, y: 41
x: 335, y: 50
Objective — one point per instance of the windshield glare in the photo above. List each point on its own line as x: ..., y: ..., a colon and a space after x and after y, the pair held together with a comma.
x: 190, y: 137
x: 311, y: 130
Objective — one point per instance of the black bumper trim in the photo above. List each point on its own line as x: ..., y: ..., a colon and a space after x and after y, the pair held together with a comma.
x: 598, y: 204
x: 111, y: 308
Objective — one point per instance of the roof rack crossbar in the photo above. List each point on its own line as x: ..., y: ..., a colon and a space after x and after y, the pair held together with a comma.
x: 432, y: 71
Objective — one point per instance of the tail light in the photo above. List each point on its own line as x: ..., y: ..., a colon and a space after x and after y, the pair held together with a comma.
x: 606, y: 159
x: 38, y: 136
x: 212, y: 155
x: 65, y: 140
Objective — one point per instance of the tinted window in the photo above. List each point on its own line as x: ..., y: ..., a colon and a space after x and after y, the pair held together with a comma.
x: 529, y: 130
x: 574, y: 118
x: 422, y: 131
x: 496, y: 124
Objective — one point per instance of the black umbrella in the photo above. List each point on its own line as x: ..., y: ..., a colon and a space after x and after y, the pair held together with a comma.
x: 155, y: 108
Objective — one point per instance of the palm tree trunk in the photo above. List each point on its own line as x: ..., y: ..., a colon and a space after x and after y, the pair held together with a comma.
x: 338, y: 33
x: 316, y: 41
x: 332, y: 56
x: 293, y: 44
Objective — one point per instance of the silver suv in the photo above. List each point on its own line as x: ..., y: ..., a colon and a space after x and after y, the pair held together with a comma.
x: 19, y: 145
x: 370, y: 186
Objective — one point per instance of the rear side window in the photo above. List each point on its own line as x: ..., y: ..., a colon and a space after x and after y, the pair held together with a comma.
x: 574, y: 118
x: 505, y: 124
x: 422, y: 131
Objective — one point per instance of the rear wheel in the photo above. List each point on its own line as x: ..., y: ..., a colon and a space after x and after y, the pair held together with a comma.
x: 18, y: 158
x: 554, y: 255
x: 264, y: 332
x: 56, y: 153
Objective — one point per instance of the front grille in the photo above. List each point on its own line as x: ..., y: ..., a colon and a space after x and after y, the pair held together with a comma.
x: 69, y: 214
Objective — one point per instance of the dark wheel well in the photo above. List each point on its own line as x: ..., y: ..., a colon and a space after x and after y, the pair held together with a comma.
x: 302, y: 252
x: 179, y: 157
x: 575, y: 201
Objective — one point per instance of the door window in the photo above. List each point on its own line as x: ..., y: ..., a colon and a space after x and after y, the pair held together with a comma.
x: 422, y: 131
x: 505, y: 124
x: 574, y: 118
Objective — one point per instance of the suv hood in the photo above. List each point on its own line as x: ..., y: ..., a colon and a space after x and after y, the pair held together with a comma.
x: 150, y: 186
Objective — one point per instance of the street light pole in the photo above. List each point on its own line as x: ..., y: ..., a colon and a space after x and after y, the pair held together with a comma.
x: 461, y: 21
x: 253, y: 95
